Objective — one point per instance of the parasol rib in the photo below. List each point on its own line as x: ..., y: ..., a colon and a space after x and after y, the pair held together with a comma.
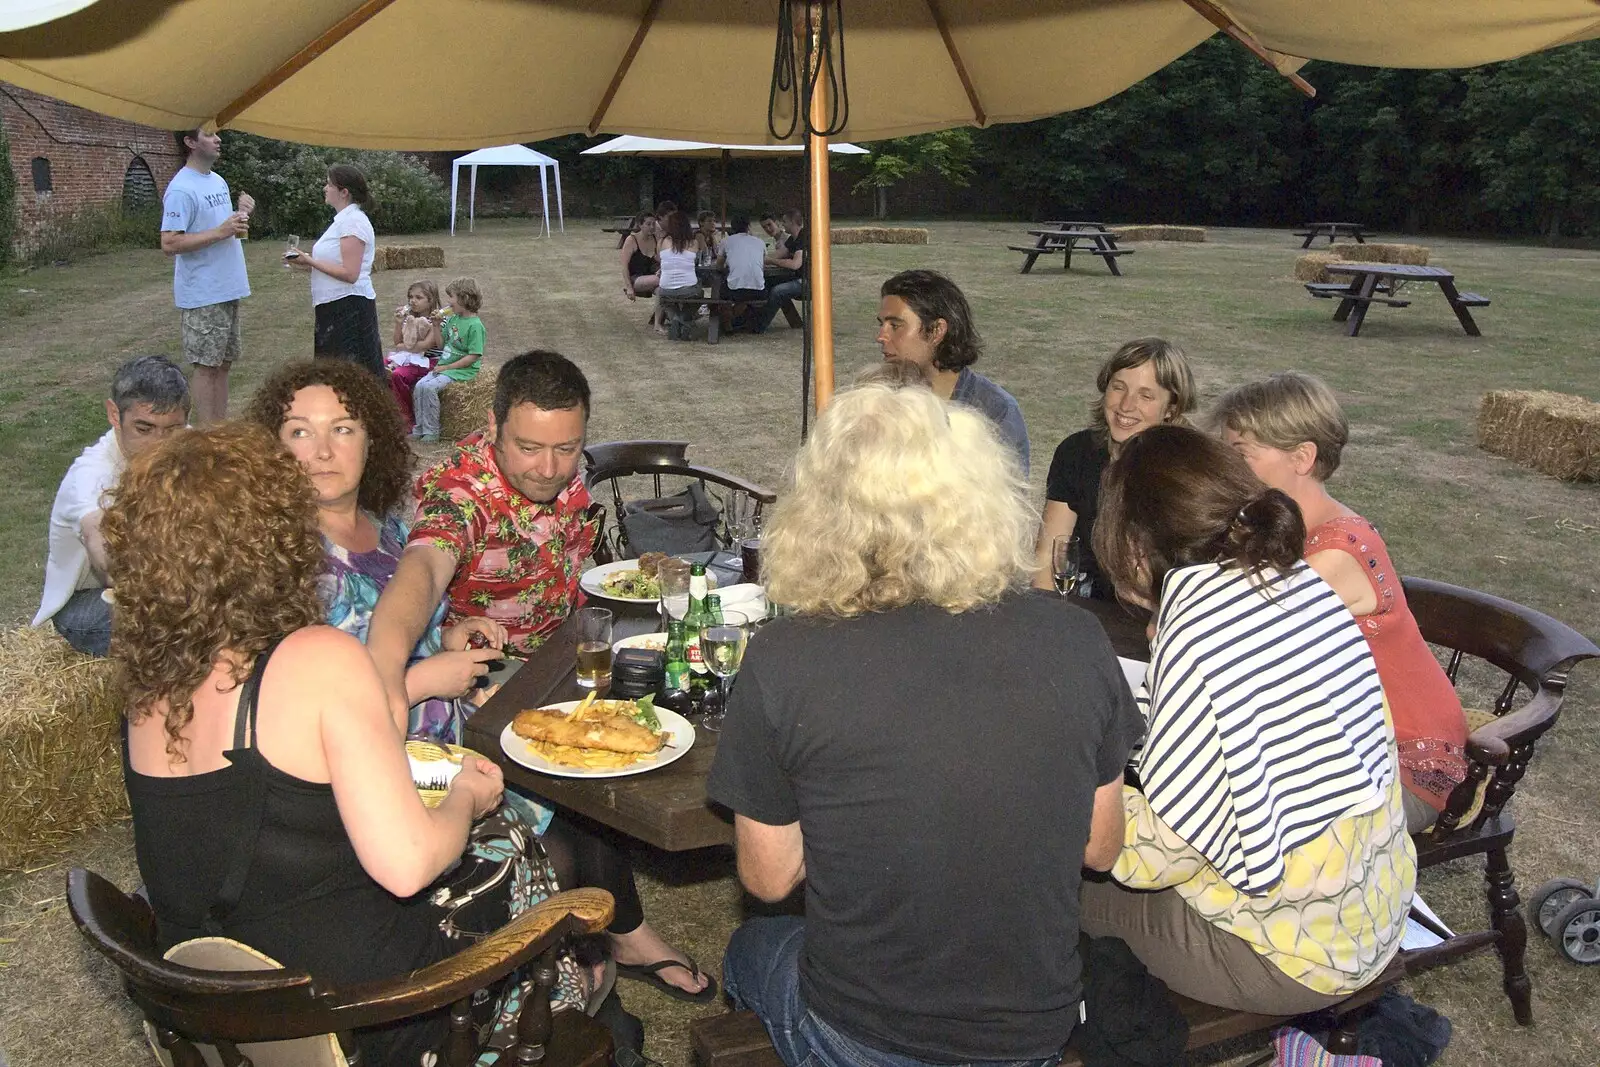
x: 978, y: 115
x: 645, y: 22
x: 297, y: 62
x: 1214, y: 15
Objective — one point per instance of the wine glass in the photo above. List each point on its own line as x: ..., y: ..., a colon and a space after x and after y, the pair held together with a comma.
x: 722, y: 651
x: 1066, y: 563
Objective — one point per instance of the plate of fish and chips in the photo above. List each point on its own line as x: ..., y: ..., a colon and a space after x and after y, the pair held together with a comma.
x: 594, y: 738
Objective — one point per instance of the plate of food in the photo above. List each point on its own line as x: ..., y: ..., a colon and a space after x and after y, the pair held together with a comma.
x: 592, y: 738
x: 654, y: 642
x: 632, y: 581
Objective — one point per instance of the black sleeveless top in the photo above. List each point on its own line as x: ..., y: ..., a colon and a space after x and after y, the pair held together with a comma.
x: 640, y: 264
x: 255, y: 854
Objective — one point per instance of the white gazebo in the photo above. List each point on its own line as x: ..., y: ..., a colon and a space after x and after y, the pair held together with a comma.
x: 511, y: 155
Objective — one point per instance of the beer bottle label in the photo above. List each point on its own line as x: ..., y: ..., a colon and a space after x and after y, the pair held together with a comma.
x: 677, y: 676
x: 697, y: 663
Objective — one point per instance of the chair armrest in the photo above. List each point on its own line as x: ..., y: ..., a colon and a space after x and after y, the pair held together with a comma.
x: 541, y: 927
x: 1492, y: 742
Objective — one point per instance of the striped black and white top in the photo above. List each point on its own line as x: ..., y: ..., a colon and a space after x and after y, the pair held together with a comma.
x: 1266, y: 719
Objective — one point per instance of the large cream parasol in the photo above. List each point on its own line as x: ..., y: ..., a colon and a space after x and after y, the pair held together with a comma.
x: 460, y: 74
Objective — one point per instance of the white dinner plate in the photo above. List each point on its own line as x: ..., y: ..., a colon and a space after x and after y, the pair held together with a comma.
x: 591, y: 579
x: 657, y: 642
x: 680, y: 739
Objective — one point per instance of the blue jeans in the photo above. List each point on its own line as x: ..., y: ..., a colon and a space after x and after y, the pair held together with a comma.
x: 775, y: 298
x: 85, y: 621
x: 761, y: 972
x: 425, y: 403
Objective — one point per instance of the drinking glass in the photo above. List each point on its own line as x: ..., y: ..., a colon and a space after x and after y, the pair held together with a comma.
x: 594, y: 648
x: 293, y: 245
x: 673, y: 577
x: 722, y: 650
x: 1066, y: 563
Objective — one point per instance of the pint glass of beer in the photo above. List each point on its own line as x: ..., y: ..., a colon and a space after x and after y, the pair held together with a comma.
x: 594, y: 648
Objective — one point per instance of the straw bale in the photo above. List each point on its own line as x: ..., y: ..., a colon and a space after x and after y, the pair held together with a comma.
x: 1313, y: 266
x: 464, y: 406
x: 1378, y: 252
x: 1553, y: 433
x: 878, y: 235
x: 407, y: 257
x: 1159, y: 233
x: 60, y: 745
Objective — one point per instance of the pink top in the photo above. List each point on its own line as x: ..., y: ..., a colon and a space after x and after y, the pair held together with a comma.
x: 1428, y: 723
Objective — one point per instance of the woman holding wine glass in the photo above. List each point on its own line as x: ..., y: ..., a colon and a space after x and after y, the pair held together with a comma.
x: 1145, y: 383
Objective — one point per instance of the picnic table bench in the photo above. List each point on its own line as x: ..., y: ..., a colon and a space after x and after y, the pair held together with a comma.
x: 1332, y: 231
x: 1380, y: 283
x: 1054, y: 240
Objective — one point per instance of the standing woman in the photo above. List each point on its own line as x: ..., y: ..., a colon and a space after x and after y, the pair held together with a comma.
x: 1145, y: 383
x: 341, y: 275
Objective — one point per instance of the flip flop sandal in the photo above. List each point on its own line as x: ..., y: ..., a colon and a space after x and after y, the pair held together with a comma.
x: 649, y: 974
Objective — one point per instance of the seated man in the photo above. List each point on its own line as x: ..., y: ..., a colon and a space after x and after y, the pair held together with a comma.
x: 772, y: 226
x: 923, y: 317
x: 149, y: 401
x: 502, y: 529
x: 792, y: 257
x: 743, y: 253
x: 933, y: 749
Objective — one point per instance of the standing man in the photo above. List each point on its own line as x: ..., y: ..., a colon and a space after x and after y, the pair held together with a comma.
x: 201, y: 231
x: 149, y: 402
x: 924, y: 318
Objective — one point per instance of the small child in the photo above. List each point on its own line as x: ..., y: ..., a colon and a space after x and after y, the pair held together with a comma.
x: 417, y: 341
x: 463, y: 353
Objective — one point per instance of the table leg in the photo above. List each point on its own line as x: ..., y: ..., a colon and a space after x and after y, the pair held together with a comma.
x: 1359, y: 314
x: 791, y: 314
x: 713, y: 326
x: 1068, y: 248
x: 1312, y: 236
x: 1342, y: 312
x: 1453, y: 295
x: 1027, y: 262
x: 1109, y: 244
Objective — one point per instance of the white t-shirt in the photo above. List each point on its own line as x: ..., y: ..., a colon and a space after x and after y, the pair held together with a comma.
x: 67, y: 570
x: 746, y: 254
x: 351, y: 221
x: 194, y: 202
x: 677, y: 268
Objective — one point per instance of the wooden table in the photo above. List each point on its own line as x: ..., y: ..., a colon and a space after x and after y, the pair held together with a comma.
x: 1332, y: 231
x: 1062, y: 240
x: 667, y: 807
x: 1362, y: 292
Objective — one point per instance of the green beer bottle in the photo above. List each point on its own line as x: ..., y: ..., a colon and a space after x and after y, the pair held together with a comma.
x: 714, y: 607
x: 696, y: 618
x: 675, y: 684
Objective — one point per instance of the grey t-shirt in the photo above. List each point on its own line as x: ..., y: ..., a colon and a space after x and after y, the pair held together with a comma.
x: 974, y: 390
x: 215, y: 273
x: 745, y: 254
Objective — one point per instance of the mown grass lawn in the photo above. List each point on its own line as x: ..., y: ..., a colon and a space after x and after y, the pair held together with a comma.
x: 1411, y: 384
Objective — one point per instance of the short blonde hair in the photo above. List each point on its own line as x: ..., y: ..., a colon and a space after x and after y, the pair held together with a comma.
x: 1172, y: 373
x: 899, y: 498
x: 467, y: 290
x: 1284, y: 411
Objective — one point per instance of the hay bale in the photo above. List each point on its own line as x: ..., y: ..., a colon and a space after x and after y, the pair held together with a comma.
x: 1313, y: 266
x: 1377, y: 252
x: 407, y: 257
x: 1553, y: 433
x: 464, y: 406
x: 1159, y: 233
x: 878, y: 235
x: 60, y: 746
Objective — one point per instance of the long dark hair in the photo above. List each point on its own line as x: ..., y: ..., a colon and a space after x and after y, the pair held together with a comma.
x: 1175, y: 497
x: 680, y: 234
x: 932, y: 296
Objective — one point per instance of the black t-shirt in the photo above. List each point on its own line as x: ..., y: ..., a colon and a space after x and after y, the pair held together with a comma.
x: 1074, y: 480
x: 796, y: 242
x: 942, y: 769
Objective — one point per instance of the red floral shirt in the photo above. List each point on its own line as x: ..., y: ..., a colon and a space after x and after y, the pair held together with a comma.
x: 517, y: 562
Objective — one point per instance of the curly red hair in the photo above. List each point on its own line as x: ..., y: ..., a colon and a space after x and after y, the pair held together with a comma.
x: 213, y: 548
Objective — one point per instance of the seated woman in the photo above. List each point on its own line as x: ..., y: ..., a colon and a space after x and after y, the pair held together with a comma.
x: 1268, y: 816
x: 1291, y: 431
x: 1145, y: 383
x: 934, y: 749
x: 641, y: 261
x: 272, y: 800
x: 345, y: 430
x: 679, y: 276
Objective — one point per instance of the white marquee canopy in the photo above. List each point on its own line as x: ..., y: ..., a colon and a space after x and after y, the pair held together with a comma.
x: 511, y: 155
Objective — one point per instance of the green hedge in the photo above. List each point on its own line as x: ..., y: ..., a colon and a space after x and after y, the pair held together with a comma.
x: 286, y: 179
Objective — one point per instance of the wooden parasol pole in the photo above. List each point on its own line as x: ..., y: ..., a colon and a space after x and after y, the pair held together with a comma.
x: 725, y: 155
x: 819, y: 253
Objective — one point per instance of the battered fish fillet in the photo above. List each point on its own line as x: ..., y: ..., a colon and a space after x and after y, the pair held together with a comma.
x: 611, y: 733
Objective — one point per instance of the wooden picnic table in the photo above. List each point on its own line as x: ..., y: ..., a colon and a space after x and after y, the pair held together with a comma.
x: 1362, y: 292
x: 1062, y: 240
x: 1332, y: 231
x: 666, y: 807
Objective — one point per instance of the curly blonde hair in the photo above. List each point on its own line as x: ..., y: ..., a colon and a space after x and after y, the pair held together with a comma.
x: 899, y: 498
x: 213, y: 548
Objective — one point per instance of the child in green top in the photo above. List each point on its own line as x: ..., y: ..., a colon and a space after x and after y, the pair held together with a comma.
x: 463, y: 354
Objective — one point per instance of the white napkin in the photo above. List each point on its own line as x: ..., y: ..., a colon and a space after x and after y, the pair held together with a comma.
x: 434, y: 770
x: 1133, y: 671
x: 747, y: 598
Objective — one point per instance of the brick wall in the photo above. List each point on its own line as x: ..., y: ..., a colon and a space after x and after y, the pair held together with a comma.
x: 89, y: 154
